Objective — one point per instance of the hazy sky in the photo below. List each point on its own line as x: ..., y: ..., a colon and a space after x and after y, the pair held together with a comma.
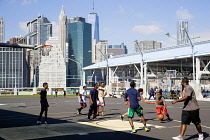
x: 120, y: 20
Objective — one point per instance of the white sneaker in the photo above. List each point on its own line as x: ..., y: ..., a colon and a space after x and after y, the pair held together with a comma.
x: 178, y: 138
x: 200, y: 137
x: 46, y: 122
x: 38, y: 122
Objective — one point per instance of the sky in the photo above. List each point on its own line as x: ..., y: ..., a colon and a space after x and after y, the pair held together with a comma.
x: 120, y: 21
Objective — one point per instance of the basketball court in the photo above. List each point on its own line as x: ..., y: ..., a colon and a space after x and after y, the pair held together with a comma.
x: 19, y: 115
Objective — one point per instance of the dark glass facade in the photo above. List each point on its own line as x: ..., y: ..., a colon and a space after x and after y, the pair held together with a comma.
x: 14, y: 69
x: 80, y: 43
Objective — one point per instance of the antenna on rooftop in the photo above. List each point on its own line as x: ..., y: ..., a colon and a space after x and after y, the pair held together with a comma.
x: 93, y: 6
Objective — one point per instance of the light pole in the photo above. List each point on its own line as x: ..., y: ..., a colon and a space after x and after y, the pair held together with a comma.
x: 81, y: 73
x: 142, y: 61
x: 193, y: 55
x: 107, y: 67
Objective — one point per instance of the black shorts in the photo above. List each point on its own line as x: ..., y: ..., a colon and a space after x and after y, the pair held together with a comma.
x: 44, y: 105
x: 190, y: 116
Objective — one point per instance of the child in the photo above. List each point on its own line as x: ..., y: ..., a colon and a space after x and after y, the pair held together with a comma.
x: 161, y: 106
x: 44, y: 104
x: 82, y: 100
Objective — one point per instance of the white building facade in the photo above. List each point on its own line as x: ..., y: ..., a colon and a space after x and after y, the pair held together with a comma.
x: 52, y: 68
x: 100, y: 51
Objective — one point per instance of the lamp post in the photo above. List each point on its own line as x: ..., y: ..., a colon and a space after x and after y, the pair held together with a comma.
x: 80, y: 68
x: 107, y: 67
x: 193, y: 54
x: 142, y: 61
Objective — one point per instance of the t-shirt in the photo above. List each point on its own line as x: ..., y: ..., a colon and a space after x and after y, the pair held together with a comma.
x: 101, y: 91
x: 43, y: 94
x: 133, y: 95
x: 152, y: 92
x: 161, y: 102
x: 191, y: 102
x: 94, y: 95
x: 83, y: 93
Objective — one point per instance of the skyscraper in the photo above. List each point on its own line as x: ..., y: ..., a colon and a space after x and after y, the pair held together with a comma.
x: 1, y: 30
x: 182, y: 38
x: 79, y: 38
x: 63, y: 31
x: 41, y: 30
x: 94, y: 20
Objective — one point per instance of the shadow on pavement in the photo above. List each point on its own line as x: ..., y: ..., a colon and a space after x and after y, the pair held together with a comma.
x: 101, y: 136
x: 206, y: 135
x: 14, y: 125
x: 17, y: 119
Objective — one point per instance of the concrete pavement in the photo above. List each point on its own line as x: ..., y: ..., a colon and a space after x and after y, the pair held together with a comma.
x: 18, y: 117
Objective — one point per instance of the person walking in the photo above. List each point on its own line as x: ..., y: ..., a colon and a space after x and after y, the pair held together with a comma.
x: 82, y: 99
x: 93, y: 102
x: 190, y: 111
x: 44, y: 104
x: 152, y: 93
x: 101, y: 95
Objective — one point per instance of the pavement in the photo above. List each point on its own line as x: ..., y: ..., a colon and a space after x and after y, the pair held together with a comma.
x: 18, y: 116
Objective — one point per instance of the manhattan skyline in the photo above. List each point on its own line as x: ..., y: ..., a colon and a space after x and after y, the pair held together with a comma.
x: 120, y: 20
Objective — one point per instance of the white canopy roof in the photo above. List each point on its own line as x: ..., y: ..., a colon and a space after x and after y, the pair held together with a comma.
x: 162, y: 54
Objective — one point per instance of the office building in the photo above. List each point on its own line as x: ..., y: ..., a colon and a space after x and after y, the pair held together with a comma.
x: 62, y: 37
x: 93, y: 19
x: 18, y: 40
x: 52, y: 68
x: 2, y: 34
x: 14, y: 68
x: 114, y: 50
x: 182, y: 27
x: 79, y: 39
x: 41, y: 30
x: 100, y: 51
x: 147, y: 45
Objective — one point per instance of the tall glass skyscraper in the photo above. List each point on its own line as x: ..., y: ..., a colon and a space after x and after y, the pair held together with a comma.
x: 80, y: 43
x: 94, y: 20
x: 41, y: 30
x: 1, y: 30
x: 181, y: 34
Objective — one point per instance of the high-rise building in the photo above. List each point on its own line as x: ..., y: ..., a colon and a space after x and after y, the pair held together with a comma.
x: 114, y: 50
x: 63, y: 31
x: 100, y: 51
x: 14, y: 69
x: 52, y: 68
x: 182, y: 28
x: 94, y: 20
x: 147, y: 45
x: 2, y: 30
x: 41, y: 30
x: 79, y: 38
x: 18, y: 40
